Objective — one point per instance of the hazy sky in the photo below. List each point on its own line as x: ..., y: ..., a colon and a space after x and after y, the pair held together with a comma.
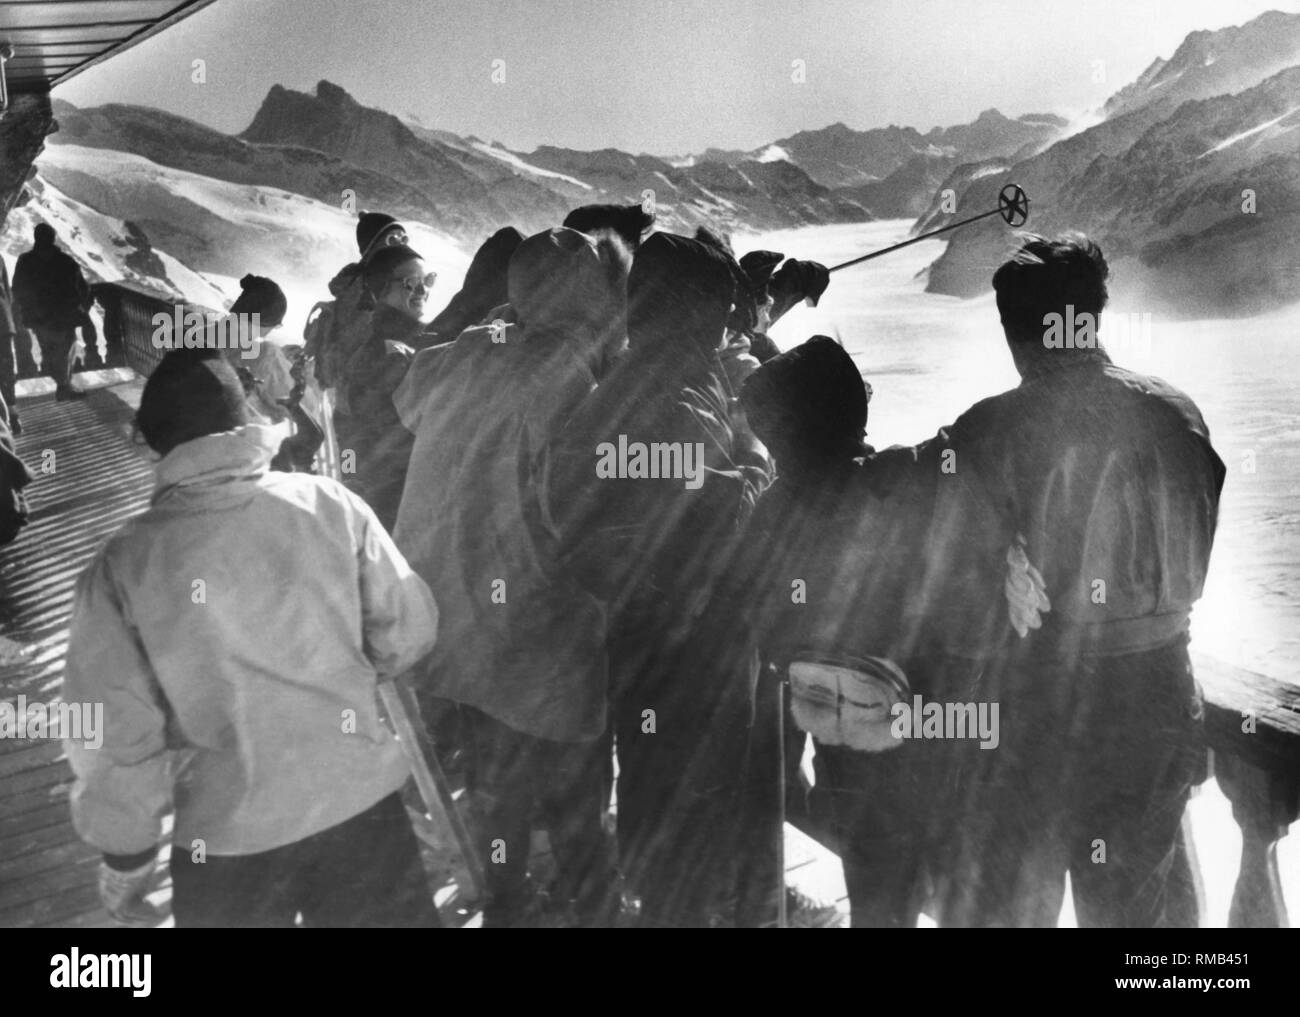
x: 660, y: 76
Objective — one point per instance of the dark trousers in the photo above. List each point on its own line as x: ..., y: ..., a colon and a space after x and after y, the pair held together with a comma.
x: 874, y: 809
x: 518, y: 782
x: 56, y: 353
x: 682, y: 720
x: 1095, y: 765
x: 876, y: 806
x: 363, y: 873
x: 24, y: 361
x: 8, y: 370
x: 92, y: 360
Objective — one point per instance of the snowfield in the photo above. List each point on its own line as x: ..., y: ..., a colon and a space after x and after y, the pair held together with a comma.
x: 205, y: 232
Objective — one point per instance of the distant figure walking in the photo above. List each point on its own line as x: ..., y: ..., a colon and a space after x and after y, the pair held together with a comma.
x: 52, y: 297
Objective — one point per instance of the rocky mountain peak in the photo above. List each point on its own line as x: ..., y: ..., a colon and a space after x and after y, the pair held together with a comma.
x: 332, y: 94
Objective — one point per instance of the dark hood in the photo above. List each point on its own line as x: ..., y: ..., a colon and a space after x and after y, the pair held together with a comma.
x: 348, y: 276
x: 628, y: 221
x: 808, y: 406
x: 484, y: 288
x: 680, y: 293
x: 759, y: 267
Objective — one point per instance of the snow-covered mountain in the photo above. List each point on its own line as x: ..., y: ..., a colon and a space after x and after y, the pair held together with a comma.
x: 1193, y: 195
x: 1207, y: 64
x: 1161, y: 180
x: 183, y: 235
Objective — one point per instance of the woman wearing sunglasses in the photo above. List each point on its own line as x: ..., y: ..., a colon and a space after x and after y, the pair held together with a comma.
x: 374, y: 447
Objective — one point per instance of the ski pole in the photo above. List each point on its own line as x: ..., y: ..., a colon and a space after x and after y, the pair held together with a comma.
x: 1013, y: 206
x: 399, y: 703
x: 782, y: 919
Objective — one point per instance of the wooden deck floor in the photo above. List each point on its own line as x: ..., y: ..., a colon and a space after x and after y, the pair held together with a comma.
x: 90, y: 479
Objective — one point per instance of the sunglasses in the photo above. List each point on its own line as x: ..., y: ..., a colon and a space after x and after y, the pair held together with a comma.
x: 394, y: 238
x: 413, y: 283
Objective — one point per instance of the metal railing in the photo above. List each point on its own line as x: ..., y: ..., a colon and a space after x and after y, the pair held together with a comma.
x: 129, y: 329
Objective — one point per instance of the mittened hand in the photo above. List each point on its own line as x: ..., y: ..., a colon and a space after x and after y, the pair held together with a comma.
x: 802, y: 280
x: 1025, y: 591
x: 123, y: 895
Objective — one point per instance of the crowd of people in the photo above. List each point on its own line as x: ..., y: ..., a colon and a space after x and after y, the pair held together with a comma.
x: 627, y: 549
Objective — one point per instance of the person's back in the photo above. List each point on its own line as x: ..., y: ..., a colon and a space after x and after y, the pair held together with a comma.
x: 1108, y: 482
x: 523, y: 649
x: 648, y: 532
x: 52, y: 298
x: 828, y: 560
x: 1111, y: 478
x: 214, y: 577
x: 836, y: 559
x: 482, y: 412
x: 49, y: 286
x: 189, y: 625
x: 650, y: 540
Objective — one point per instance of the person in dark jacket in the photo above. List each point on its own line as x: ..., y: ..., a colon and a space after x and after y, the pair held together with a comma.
x: 333, y: 333
x: 374, y: 446
x: 1106, y: 481
x: 825, y: 568
x: 523, y: 647
x: 485, y: 288
x: 10, y: 336
x: 649, y: 538
x: 14, y: 476
x: 52, y: 296
x: 631, y: 222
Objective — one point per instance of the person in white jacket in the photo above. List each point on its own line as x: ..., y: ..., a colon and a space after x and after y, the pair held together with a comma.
x: 234, y: 634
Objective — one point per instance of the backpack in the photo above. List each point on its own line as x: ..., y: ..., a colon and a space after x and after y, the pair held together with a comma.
x: 334, y: 331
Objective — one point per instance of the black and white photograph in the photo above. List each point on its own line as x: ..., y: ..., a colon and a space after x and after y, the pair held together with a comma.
x: 672, y: 464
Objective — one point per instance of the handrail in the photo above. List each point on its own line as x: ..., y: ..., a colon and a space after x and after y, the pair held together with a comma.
x: 129, y: 313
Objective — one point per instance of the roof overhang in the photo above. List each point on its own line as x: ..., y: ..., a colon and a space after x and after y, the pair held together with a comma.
x: 53, y: 40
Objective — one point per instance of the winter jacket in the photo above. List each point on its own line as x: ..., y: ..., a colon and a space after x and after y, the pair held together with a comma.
x: 370, y: 428
x: 521, y: 640
x: 235, y: 633
x: 8, y: 319
x: 484, y: 288
x: 336, y: 328
x: 1110, y: 477
x: 14, y: 476
x: 50, y: 289
x: 828, y: 562
x: 652, y: 548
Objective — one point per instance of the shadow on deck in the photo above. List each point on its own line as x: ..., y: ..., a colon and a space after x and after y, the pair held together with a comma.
x: 90, y: 478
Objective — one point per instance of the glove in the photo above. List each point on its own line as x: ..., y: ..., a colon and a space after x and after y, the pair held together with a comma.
x: 123, y: 895
x: 801, y: 280
x: 1025, y: 590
